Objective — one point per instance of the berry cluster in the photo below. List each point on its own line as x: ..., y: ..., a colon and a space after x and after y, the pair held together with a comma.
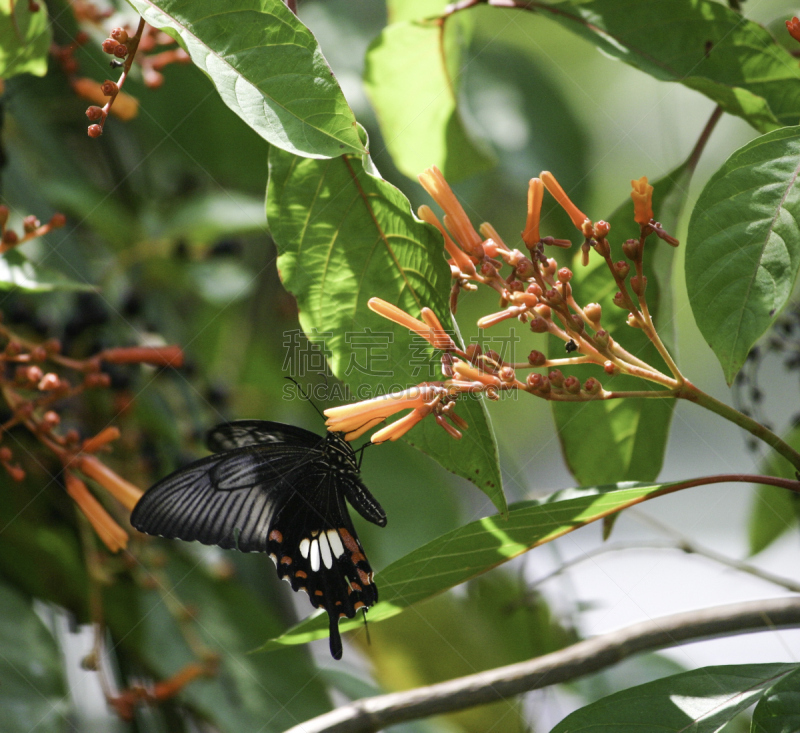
x: 31, y: 229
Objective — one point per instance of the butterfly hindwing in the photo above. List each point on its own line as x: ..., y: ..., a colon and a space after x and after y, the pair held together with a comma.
x: 243, y: 433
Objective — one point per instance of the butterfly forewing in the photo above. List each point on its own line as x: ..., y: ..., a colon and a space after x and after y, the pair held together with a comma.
x: 279, y: 489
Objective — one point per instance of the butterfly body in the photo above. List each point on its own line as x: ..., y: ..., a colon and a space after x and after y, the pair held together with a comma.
x: 278, y: 489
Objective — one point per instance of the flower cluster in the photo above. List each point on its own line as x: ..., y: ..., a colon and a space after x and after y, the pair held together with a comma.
x: 35, y: 381
x: 534, y: 290
x: 31, y: 229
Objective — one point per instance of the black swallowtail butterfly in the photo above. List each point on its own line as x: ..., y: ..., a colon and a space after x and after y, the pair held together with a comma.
x: 279, y: 489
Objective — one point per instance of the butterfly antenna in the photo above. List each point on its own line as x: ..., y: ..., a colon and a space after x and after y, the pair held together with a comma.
x: 305, y: 396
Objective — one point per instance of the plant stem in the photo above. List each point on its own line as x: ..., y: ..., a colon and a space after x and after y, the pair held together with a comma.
x: 689, y: 392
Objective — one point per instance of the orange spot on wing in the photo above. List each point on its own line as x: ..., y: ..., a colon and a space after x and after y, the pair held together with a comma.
x: 357, y: 605
x: 318, y: 593
x: 348, y: 539
x: 355, y: 586
x: 364, y: 577
x: 276, y: 535
x: 286, y: 560
x: 357, y: 557
x: 301, y: 574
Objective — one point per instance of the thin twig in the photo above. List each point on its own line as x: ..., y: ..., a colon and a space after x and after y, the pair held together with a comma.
x: 374, y: 713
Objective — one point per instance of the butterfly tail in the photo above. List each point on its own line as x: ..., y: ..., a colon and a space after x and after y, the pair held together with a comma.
x: 335, y: 636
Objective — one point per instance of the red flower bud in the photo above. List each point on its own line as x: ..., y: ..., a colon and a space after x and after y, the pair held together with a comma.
x: 121, y: 51
x: 572, y: 385
x: 631, y: 249
x: 10, y: 237
x: 109, y: 88
x: 639, y: 286
x: 94, y: 113
x: 120, y: 35
x: 536, y: 358
x: 30, y: 224
x: 594, y: 312
x: 556, y: 378
x: 94, y: 131
x: 539, y: 325
x: 621, y: 269
x: 109, y: 45
x: 591, y: 386
x: 565, y: 274
x: 793, y: 26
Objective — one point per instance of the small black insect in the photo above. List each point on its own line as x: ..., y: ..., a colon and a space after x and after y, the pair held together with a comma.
x: 570, y: 346
x: 279, y: 489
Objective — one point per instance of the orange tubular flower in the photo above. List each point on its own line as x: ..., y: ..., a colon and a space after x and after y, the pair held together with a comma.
x: 400, y: 427
x: 435, y: 336
x: 470, y: 373
x: 462, y: 260
x: 535, y: 194
x: 642, y: 195
x: 92, y: 445
x: 349, y: 418
x: 793, y: 26
x: 113, y: 536
x: 123, y: 491
x: 456, y: 218
x: 552, y: 185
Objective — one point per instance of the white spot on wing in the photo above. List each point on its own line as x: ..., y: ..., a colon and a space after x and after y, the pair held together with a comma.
x: 336, y: 542
x: 327, y: 558
x: 315, y: 556
x: 273, y: 558
x: 305, y: 545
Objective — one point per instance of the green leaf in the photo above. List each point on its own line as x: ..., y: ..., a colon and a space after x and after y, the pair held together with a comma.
x: 774, y: 510
x: 701, y: 44
x: 702, y: 701
x: 24, y: 39
x: 399, y: 10
x: 743, y: 249
x: 206, y: 217
x: 624, y: 439
x: 344, y: 236
x: 416, y: 99
x: 33, y: 692
x: 477, y: 547
x: 267, y: 67
x: 778, y: 711
x: 19, y: 273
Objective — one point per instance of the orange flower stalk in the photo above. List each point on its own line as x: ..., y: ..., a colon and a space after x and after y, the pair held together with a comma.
x: 155, y: 355
x: 112, y: 535
x: 575, y: 214
x: 349, y: 418
x: 103, y: 438
x: 435, y: 336
x: 456, y: 218
x: 123, y: 491
x: 642, y: 195
x: 535, y: 195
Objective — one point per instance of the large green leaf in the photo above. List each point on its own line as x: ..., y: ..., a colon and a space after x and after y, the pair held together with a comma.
x: 33, y: 692
x: 345, y: 235
x: 699, y: 43
x: 267, y: 67
x: 19, y: 273
x: 24, y: 38
x: 743, y: 249
x: 702, y: 701
x: 774, y: 510
x: 477, y: 547
x: 624, y: 439
x: 778, y: 711
x: 409, y: 81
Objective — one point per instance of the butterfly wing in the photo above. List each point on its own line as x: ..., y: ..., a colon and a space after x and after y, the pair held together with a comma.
x: 315, y: 547
x: 244, y: 433
x: 226, y: 499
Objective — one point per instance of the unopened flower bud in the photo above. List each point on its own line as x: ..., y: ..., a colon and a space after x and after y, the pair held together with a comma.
x: 121, y: 51
x: 591, y: 386
x: 13, y: 348
x: 551, y: 266
x: 506, y: 374
x: 52, y: 346
x: 594, y: 312
x: 515, y: 286
x: 601, y: 338
x: 109, y: 45
x: 633, y: 321
x: 493, y: 357
x: 619, y: 300
x: 120, y: 35
x: 30, y: 224
x: 602, y: 247
x: 601, y: 229
x: 587, y: 229
x: 534, y: 289
x: 524, y: 268
x: 94, y: 113
x: 621, y: 269
x: 94, y: 131
x: 538, y: 383
x: 565, y: 274
x: 610, y: 368
x: 639, y: 285
x: 50, y: 420
x: 539, y: 325
x: 5, y: 454
x: 38, y: 353
x: 556, y: 378
x: 10, y: 237
x: 543, y: 311
x: 490, y: 248
x: 552, y: 297
x: 577, y: 323
x: 536, y: 358
x: 572, y: 385
x: 488, y: 269
x: 57, y: 221
x: 109, y: 88
x: 631, y: 249
x: 49, y: 382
